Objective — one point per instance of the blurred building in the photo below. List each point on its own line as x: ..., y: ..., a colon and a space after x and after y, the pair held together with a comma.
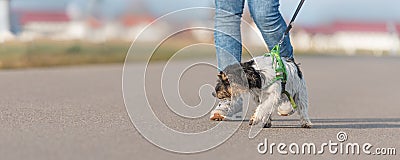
x: 350, y: 37
x: 75, y: 23
x: 42, y: 24
x: 87, y: 20
x: 132, y: 25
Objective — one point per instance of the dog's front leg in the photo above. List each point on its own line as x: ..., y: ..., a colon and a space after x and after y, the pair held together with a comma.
x: 270, y: 100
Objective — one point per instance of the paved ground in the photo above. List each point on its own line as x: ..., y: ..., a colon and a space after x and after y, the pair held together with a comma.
x: 78, y: 112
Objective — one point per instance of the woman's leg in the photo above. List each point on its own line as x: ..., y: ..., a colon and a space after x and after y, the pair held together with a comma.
x: 228, y: 44
x: 270, y: 22
x: 227, y: 36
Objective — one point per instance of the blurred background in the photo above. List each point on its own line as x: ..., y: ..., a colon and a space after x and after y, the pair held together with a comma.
x: 36, y: 33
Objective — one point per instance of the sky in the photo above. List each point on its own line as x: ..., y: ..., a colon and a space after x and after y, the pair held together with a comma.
x: 313, y: 12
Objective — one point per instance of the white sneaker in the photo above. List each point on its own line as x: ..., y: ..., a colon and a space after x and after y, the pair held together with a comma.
x: 285, y: 109
x: 226, y: 111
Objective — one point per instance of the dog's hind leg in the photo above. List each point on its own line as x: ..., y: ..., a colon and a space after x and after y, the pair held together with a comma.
x: 301, y: 100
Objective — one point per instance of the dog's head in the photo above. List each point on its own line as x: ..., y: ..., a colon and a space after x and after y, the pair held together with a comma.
x: 235, y: 79
x: 223, y: 89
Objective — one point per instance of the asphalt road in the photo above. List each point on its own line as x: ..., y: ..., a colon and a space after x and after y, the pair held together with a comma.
x: 79, y: 112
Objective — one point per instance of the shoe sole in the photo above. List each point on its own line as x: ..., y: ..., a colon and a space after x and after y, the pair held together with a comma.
x: 286, y: 114
x: 281, y: 114
x: 219, y: 117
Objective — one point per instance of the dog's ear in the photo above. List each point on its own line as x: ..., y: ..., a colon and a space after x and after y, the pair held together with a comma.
x: 221, y: 75
x: 224, y: 79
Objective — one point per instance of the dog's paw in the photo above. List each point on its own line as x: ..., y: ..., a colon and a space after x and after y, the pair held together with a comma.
x: 266, y: 121
x: 268, y: 125
x: 306, y: 125
x: 253, y: 120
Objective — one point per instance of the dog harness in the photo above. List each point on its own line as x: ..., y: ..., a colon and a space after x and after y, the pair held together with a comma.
x: 280, y: 72
x: 277, y: 63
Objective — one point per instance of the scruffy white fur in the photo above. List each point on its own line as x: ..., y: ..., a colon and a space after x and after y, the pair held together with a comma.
x: 270, y: 97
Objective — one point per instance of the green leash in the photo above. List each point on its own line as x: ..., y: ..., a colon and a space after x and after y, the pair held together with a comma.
x: 278, y: 65
x: 280, y: 72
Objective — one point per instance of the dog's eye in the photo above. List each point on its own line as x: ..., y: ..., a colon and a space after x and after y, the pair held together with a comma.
x: 226, y: 82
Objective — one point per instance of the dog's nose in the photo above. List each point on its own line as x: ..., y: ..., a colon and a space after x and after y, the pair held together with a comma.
x: 214, y: 94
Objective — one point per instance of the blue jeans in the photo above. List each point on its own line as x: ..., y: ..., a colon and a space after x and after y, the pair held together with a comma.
x: 266, y: 16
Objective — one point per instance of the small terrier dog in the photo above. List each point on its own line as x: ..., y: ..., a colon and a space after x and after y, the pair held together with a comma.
x: 255, y: 77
